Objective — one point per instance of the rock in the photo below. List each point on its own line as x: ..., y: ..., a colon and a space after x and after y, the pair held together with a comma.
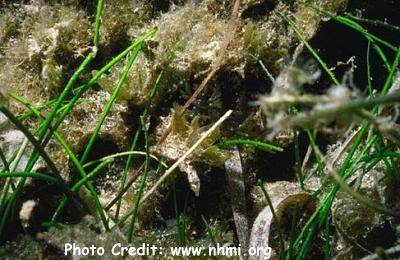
x: 361, y: 229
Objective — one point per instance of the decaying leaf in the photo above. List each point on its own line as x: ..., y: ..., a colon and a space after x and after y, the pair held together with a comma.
x: 182, y: 137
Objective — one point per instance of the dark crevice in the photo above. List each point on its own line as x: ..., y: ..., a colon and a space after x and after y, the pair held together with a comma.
x: 258, y: 11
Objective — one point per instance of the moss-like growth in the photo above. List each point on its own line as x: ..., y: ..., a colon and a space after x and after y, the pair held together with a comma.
x: 79, y: 125
x: 135, y: 90
x: 42, y: 45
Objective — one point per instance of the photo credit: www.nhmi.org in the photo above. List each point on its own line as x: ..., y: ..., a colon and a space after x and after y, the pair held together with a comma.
x: 76, y: 249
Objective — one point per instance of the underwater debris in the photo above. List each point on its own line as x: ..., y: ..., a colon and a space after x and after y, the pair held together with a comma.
x: 344, y: 104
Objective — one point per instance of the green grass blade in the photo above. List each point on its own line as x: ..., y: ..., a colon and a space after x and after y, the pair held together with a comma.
x: 352, y: 24
x: 150, y: 98
x: 271, y: 206
x: 380, y: 53
x: 299, y: 171
x: 311, y: 50
x: 392, y: 71
x: 314, y: 147
x: 35, y: 154
x: 142, y: 183
x: 6, y: 165
x: 210, y: 233
x: 109, y: 104
x: 124, y: 175
x: 293, y: 223
x: 271, y: 78
x: 72, y: 157
x: 98, y: 169
x: 369, y: 76
x: 327, y: 245
x: 37, y: 175
x: 94, y: 79
x: 65, y: 93
x: 377, y: 23
x: 250, y: 143
x: 89, y: 185
x: 40, y: 150
x: 306, y: 244
x: 143, y: 128
x: 362, y: 200
x: 32, y: 139
x: 27, y: 114
x: 347, y: 168
x: 181, y: 230
x: 99, y: 10
x: 69, y: 107
x: 14, y: 161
